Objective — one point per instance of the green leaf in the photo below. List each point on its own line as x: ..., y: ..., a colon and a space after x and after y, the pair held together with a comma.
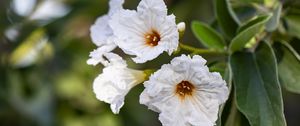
x: 236, y: 118
x: 208, y: 36
x: 258, y: 93
x: 247, y: 32
x: 288, y: 67
x: 273, y: 23
x: 258, y: 20
x: 226, y: 18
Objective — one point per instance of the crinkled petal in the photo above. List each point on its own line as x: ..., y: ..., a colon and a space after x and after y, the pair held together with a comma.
x: 96, y: 56
x: 175, y: 114
x: 114, y: 6
x: 169, y: 34
x: 147, y: 53
x: 154, y: 6
x: 130, y: 30
x: 109, y: 92
x: 127, y: 25
x: 115, y: 59
x: 100, y: 31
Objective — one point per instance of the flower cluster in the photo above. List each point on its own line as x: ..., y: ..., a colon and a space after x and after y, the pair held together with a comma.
x: 184, y: 92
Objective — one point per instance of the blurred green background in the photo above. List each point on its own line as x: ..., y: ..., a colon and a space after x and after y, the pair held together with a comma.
x: 44, y: 78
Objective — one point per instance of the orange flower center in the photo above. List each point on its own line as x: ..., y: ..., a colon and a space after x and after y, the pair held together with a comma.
x: 152, y: 38
x: 184, y: 88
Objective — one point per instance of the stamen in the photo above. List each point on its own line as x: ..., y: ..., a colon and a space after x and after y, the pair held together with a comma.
x: 152, y: 38
x: 184, y: 88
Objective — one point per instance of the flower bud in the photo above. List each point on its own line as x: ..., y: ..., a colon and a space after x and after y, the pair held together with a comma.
x: 181, y: 29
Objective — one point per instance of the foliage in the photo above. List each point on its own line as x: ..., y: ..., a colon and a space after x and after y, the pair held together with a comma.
x: 255, y: 68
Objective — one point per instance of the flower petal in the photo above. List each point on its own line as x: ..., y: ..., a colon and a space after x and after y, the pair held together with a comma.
x: 96, y: 56
x: 100, y: 31
x: 152, y: 6
x: 109, y: 92
x: 169, y: 34
x: 114, y: 6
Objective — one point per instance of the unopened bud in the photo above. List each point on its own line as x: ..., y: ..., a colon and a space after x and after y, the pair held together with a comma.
x: 181, y: 29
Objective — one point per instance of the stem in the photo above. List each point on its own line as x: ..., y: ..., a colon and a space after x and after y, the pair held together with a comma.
x: 258, y: 39
x: 199, y: 51
x: 148, y: 73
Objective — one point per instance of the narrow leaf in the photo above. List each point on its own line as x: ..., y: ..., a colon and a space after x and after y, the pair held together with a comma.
x: 273, y: 23
x: 208, y: 36
x: 258, y: 93
x: 227, y: 20
x: 247, y: 32
x: 288, y: 67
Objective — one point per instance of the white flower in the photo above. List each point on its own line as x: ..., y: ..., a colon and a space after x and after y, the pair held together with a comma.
x: 147, y: 32
x: 115, y: 82
x: 185, y: 93
x: 101, y: 31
